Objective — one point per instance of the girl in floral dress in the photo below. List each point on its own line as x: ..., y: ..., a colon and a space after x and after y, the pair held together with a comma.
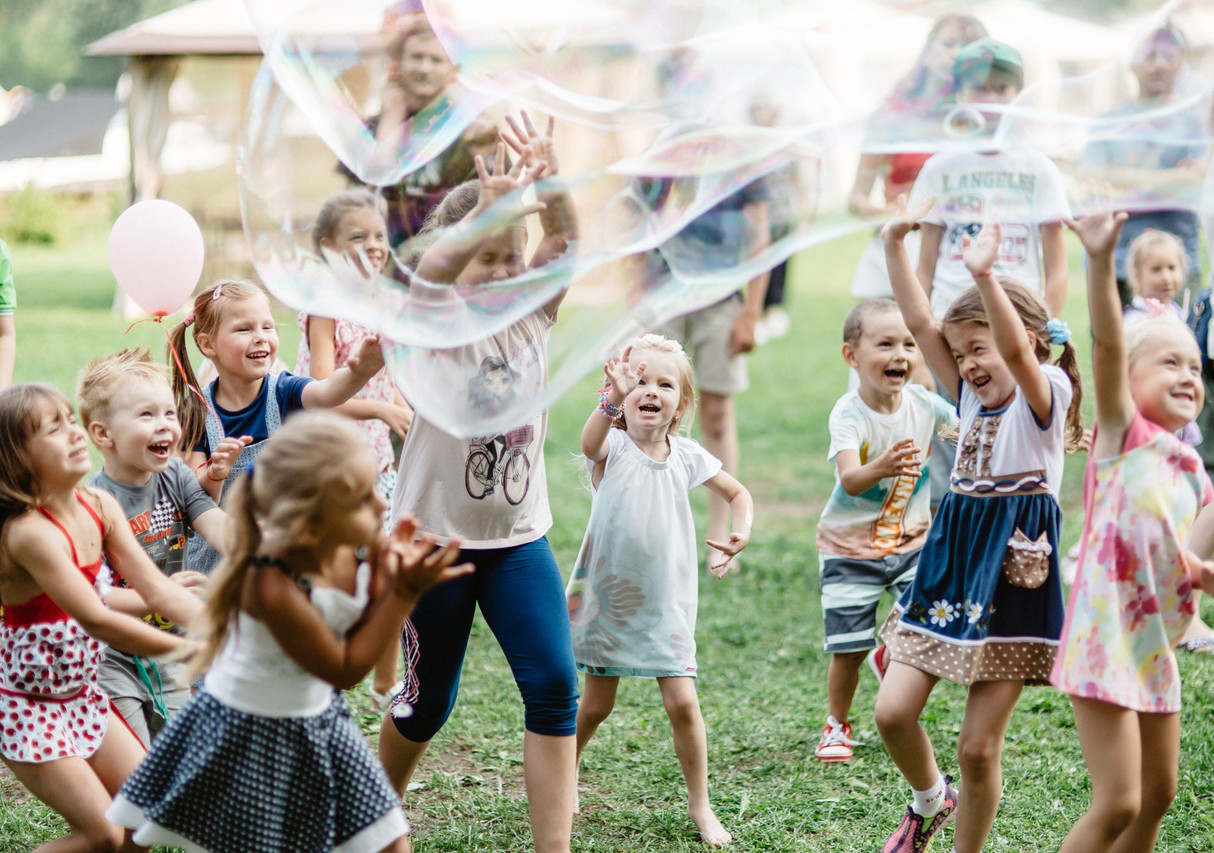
x: 1132, y: 598
x: 985, y: 608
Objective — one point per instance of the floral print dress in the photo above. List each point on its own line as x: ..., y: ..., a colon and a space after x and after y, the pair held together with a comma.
x: 1132, y: 598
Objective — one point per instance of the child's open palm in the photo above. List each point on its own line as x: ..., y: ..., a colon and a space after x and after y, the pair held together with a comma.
x: 981, y: 253
x: 905, y: 220
x: 901, y: 459
x: 530, y: 145
x: 412, y: 564
x: 501, y: 183
x: 722, y: 561
x: 369, y: 360
x: 225, y: 454
x: 1098, y: 232
x: 620, y: 374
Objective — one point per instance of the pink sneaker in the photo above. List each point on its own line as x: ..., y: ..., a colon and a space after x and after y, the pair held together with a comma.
x: 916, y: 832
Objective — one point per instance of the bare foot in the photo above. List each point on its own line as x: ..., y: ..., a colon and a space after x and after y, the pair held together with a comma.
x: 711, y: 831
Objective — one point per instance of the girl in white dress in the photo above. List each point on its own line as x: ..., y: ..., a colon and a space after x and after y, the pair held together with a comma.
x: 265, y: 757
x: 632, y: 596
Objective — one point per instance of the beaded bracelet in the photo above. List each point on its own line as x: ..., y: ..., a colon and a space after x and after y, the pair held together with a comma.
x: 610, y: 411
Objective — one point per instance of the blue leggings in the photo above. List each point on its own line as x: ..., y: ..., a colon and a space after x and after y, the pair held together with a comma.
x: 520, y: 594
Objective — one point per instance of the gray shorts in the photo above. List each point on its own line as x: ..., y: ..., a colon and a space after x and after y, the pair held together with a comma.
x: 705, y: 335
x: 851, y: 589
x: 119, y: 679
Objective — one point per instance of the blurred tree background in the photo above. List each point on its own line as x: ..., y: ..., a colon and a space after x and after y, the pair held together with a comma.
x: 42, y: 41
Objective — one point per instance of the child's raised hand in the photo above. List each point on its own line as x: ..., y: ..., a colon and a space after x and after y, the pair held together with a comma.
x: 904, y: 220
x: 224, y: 456
x: 368, y: 361
x: 902, y: 459
x: 1098, y: 232
x: 531, y: 145
x: 720, y: 564
x: 501, y: 183
x: 621, y: 375
x: 413, y: 564
x: 981, y: 253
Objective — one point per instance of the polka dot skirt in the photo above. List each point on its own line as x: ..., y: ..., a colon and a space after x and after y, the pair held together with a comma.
x: 231, y: 782
x: 57, y: 660
x: 994, y: 659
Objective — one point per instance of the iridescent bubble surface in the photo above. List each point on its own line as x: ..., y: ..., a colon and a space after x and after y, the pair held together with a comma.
x: 700, y: 143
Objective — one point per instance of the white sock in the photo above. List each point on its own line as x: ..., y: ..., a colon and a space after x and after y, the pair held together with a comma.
x: 928, y: 802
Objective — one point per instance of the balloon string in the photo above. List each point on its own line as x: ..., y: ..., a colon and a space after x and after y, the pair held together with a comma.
x: 158, y: 319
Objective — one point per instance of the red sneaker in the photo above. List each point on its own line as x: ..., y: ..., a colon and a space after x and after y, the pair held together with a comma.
x: 878, y: 661
x: 836, y: 744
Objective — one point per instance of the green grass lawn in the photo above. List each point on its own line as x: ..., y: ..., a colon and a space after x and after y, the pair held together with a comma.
x: 763, y: 674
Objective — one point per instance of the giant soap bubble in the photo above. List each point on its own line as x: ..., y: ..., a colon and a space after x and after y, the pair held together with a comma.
x: 700, y: 142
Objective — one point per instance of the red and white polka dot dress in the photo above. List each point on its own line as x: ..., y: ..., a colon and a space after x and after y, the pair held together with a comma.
x: 50, y: 704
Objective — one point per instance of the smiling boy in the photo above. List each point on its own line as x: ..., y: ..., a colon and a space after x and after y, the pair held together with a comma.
x: 876, y: 519
x: 127, y: 407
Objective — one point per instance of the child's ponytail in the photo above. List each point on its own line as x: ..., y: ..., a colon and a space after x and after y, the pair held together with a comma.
x: 204, y: 320
x: 191, y: 413
x: 1068, y: 361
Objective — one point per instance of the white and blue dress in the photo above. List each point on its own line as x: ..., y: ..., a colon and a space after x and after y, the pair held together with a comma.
x: 986, y: 603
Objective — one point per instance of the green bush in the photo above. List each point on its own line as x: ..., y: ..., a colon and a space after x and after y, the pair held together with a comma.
x: 30, y: 216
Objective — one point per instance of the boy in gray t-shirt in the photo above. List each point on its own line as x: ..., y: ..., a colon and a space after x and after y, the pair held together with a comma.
x: 127, y: 407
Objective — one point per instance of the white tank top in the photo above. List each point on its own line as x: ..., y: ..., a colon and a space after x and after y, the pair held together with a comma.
x: 254, y: 675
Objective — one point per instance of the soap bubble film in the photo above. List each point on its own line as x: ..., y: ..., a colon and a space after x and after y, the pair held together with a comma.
x: 700, y: 144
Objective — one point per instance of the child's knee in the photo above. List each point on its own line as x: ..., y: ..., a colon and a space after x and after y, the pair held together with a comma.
x: 1157, y: 796
x: 683, y: 710
x: 594, y: 711
x: 426, y: 720
x: 848, y: 661
x: 550, y: 703
x: 893, y: 717
x: 979, y: 755
x: 1116, y: 814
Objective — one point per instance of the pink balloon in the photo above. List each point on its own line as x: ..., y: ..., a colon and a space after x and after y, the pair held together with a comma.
x: 156, y: 255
